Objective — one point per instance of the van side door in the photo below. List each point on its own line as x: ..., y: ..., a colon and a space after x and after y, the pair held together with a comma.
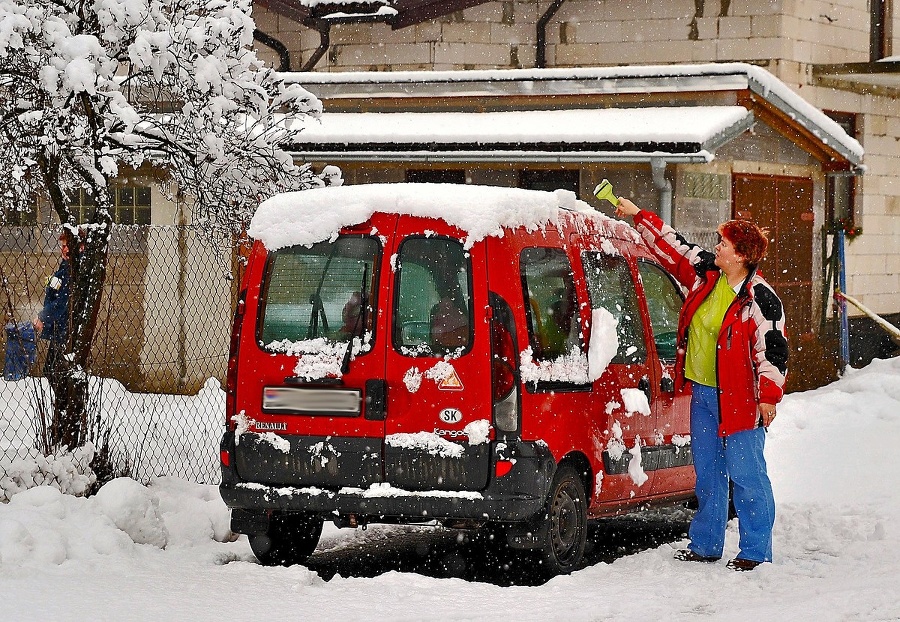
x: 673, y: 417
x: 629, y: 434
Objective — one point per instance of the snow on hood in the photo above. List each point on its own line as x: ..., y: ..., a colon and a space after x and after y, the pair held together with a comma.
x: 310, y: 216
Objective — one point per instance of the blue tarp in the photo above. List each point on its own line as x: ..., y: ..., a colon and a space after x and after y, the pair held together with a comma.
x: 21, y: 350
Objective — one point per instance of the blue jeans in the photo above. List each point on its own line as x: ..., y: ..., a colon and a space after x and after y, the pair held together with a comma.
x: 738, y: 457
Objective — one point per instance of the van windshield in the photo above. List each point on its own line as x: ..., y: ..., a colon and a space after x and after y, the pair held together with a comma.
x: 324, y: 291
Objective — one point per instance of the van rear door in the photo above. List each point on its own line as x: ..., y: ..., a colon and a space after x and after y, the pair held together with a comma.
x: 314, y: 414
x: 438, y: 422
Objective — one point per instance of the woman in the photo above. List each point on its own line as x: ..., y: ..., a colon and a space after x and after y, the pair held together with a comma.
x: 733, y: 351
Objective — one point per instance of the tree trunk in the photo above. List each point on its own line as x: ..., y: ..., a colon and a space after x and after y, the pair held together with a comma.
x: 89, y: 253
x: 89, y: 262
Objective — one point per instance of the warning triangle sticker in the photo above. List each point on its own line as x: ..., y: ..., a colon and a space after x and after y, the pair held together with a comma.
x: 451, y: 382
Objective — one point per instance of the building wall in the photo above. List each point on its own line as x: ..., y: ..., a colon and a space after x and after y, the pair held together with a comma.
x: 785, y: 36
x: 596, y: 32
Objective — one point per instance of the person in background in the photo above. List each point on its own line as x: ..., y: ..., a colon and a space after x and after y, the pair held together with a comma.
x: 52, y: 323
x: 733, y: 350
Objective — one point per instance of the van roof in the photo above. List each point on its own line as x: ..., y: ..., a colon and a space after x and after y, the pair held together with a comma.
x: 310, y: 216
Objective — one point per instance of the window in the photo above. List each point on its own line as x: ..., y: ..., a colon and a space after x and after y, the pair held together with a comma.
x: 436, y: 176
x: 549, y: 180
x: 664, y: 304
x: 131, y: 205
x: 840, y: 203
x: 550, y: 303
x: 433, y: 314
x: 13, y: 217
x: 83, y: 204
x: 320, y: 291
x: 610, y: 287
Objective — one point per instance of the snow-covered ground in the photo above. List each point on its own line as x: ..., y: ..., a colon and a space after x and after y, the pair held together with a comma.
x: 164, y: 552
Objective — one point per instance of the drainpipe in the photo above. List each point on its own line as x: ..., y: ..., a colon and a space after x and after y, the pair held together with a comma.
x: 323, y: 27
x: 658, y: 168
x: 843, y: 318
x: 271, y: 42
x: 540, y: 54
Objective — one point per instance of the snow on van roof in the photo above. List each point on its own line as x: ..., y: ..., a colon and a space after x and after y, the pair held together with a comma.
x: 310, y: 216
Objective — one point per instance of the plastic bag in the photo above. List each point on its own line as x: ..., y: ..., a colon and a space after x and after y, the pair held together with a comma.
x: 21, y: 350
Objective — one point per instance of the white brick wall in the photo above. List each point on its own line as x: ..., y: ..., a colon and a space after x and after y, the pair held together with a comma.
x: 790, y: 34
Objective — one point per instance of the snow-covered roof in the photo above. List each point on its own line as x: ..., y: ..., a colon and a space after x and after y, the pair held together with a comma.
x: 310, y: 216
x: 647, y: 79
x: 688, y: 134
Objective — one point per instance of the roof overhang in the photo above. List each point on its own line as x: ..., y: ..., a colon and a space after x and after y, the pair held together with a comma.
x: 882, y: 77
x: 672, y: 134
x: 770, y: 100
x: 397, y: 13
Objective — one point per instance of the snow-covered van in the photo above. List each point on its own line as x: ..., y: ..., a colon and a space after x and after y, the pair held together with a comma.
x: 474, y: 356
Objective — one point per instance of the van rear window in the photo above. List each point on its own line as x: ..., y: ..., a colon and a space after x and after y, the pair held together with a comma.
x: 322, y: 291
x: 433, y: 314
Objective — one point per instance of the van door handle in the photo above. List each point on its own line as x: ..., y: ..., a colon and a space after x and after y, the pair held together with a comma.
x: 644, y: 385
x: 376, y: 400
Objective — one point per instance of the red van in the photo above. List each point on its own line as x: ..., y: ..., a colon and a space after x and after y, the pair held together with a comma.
x: 462, y: 354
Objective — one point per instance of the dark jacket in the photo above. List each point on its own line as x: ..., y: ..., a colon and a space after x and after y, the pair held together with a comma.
x: 752, y: 351
x: 55, y: 313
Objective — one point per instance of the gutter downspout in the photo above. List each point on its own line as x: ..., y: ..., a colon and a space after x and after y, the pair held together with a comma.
x: 269, y: 41
x: 658, y: 168
x: 323, y: 27
x: 540, y: 53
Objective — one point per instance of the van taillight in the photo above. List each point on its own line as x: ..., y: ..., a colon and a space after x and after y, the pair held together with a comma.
x: 504, y: 395
x: 502, y: 373
x: 234, y: 346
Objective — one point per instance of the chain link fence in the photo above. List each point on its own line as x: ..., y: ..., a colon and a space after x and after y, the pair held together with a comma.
x: 158, y: 362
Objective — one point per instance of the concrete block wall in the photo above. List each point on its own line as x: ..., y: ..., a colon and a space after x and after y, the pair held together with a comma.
x: 592, y: 32
x: 873, y: 259
x: 786, y: 36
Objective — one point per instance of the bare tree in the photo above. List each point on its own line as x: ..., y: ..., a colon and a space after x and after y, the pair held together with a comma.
x: 90, y: 87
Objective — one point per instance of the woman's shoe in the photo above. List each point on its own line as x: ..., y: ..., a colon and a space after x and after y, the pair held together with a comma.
x: 687, y: 555
x: 742, y: 565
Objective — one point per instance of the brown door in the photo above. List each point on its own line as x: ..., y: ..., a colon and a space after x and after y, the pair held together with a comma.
x: 783, y: 205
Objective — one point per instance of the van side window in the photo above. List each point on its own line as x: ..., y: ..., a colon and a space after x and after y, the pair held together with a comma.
x: 550, y: 303
x: 433, y: 314
x: 664, y: 302
x: 611, y: 287
x: 324, y: 290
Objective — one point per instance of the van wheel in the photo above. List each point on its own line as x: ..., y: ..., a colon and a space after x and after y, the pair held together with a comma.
x: 290, y: 540
x: 566, y: 517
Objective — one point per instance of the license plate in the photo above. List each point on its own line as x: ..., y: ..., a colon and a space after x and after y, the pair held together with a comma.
x: 339, y: 402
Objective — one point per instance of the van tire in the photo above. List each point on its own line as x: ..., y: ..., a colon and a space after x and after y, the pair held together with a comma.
x: 290, y: 539
x: 566, y: 523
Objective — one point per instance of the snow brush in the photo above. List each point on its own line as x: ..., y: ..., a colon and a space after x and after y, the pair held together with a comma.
x: 604, y: 191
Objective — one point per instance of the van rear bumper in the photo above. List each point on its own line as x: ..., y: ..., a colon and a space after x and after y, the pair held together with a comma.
x: 515, y: 497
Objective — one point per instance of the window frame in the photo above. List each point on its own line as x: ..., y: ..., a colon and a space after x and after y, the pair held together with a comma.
x: 530, y: 324
x: 84, y: 205
x: 678, y: 290
x: 373, y: 296
x: 620, y: 358
x: 396, y: 329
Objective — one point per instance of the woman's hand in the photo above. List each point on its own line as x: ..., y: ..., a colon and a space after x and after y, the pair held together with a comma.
x: 626, y: 208
x: 767, y: 412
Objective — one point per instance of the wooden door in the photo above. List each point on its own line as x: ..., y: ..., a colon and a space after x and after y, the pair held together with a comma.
x: 783, y: 205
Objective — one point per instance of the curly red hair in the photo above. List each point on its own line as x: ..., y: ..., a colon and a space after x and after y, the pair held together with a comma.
x: 750, y: 241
